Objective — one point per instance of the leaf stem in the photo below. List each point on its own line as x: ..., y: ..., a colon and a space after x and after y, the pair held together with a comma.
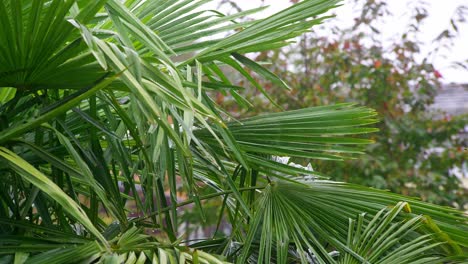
x: 189, y: 201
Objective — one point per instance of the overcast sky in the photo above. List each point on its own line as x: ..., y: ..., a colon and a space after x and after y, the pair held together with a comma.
x: 440, y: 12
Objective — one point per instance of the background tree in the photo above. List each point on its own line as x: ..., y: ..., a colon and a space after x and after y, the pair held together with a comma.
x: 417, y: 147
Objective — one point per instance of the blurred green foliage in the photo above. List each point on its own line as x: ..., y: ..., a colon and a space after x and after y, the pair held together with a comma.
x: 418, y: 149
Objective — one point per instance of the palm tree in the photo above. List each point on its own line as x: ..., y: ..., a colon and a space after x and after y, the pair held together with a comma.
x: 105, y: 103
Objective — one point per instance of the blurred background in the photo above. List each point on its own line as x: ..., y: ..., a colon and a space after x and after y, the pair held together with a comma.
x: 406, y: 59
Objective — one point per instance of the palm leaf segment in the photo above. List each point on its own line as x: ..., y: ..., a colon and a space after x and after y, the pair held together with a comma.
x: 385, y: 240
x: 93, y: 93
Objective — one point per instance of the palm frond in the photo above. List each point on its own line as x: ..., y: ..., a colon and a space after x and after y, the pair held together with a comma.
x: 41, y: 50
x: 292, y: 216
x: 314, y: 133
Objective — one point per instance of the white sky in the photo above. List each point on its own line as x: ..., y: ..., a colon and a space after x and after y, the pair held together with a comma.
x: 440, y: 12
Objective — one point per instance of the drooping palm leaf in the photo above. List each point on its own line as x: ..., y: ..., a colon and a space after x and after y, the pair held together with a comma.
x: 35, y: 177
